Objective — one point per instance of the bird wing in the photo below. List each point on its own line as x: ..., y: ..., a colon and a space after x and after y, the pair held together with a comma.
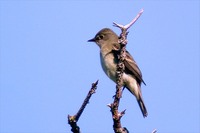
x: 132, y: 68
x: 130, y: 64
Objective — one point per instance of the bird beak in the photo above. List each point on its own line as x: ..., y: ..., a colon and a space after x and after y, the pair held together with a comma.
x: 91, y: 40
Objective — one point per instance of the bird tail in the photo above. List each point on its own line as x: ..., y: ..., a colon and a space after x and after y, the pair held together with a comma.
x: 142, y: 106
x: 138, y: 94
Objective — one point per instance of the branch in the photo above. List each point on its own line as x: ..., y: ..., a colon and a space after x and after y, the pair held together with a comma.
x: 154, y: 131
x: 131, y: 23
x: 72, y: 120
x: 120, y: 70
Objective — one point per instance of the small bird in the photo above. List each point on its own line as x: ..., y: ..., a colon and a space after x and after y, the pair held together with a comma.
x: 107, y: 40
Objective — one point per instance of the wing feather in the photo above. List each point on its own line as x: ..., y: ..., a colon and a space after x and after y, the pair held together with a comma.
x: 132, y: 68
x: 130, y: 64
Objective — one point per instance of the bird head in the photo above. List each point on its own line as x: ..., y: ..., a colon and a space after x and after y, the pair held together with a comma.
x: 104, y: 36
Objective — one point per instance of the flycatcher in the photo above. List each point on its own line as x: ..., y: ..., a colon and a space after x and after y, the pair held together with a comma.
x: 109, y: 46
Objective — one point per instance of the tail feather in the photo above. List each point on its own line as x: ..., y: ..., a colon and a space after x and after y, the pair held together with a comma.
x: 137, y: 93
x: 142, y: 107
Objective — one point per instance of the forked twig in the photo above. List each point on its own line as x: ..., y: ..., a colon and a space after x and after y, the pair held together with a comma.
x: 131, y: 23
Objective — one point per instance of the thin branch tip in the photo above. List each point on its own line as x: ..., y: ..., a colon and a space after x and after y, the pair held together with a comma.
x: 142, y: 10
x: 95, y: 83
x: 109, y: 105
x: 154, y: 131
x: 118, y: 25
x: 123, y: 112
x: 134, y: 20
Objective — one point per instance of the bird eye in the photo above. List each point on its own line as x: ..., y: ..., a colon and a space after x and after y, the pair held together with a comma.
x: 99, y: 37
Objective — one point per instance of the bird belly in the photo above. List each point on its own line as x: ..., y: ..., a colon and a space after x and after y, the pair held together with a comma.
x: 109, y: 66
x: 131, y: 84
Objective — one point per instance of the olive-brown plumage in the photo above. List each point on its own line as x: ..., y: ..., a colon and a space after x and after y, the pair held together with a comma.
x: 107, y: 40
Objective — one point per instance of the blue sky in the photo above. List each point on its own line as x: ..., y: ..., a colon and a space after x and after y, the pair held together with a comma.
x: 47, y: 65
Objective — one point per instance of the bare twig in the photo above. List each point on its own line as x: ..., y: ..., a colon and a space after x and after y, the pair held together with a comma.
x: 120, y: 70
x: 131, y: 23
x: 72, y: 120
x: 154, y: 131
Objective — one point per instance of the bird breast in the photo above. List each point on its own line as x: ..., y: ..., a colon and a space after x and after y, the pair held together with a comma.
x: 109, y: 65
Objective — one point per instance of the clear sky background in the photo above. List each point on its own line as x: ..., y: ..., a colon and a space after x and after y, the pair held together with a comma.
x: 47, y: 65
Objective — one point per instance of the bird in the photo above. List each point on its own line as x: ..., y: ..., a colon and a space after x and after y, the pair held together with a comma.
x: 108, y: 42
